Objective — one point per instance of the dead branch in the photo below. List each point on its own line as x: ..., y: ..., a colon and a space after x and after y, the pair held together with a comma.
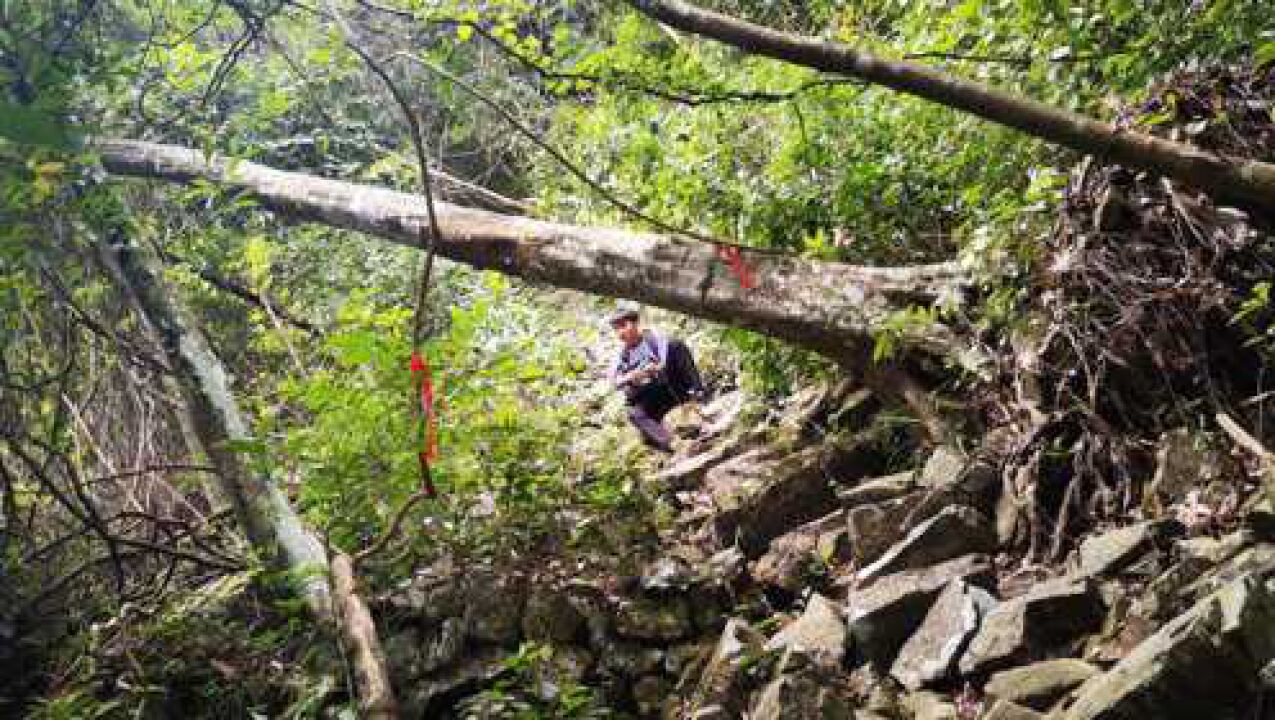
x: 376, y: 696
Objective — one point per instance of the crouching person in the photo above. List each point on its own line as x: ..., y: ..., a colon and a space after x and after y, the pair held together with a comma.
x: 656, y: 373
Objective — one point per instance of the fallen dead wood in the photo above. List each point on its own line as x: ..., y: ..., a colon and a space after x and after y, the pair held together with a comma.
x: 273, y: 527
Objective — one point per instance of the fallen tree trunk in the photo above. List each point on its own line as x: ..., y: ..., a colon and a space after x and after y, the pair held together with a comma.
x: 1245, y: 182
x: 833, y: 308
x: 263, y: 511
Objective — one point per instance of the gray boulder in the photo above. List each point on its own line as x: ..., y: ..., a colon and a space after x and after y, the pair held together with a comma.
x: 758, y: 496
x: 874, y: 527
x: 654, y: 619
x: 794, y: 557
x: 629, y: 659
x: 800, y: 698
x: 1027, y: 627
x: 954, y: 532
x: 1114, y: 550
x: 649, y: 695
x: 666, y: 575
x: 594, y: 608
x: 723, y: 568
x: 819, y: 633
x: 1182, y: 460
x: 1255, y: 560
x: 1206, y: 663
x: 926, y: 705
x: 550, y: 617
x: 1039, y: 685
x: 442, y: 645
x: 494, y: 608
x: 883, y: 615
x: 943, y: 468
x: 931, y: 653
x: 427, y: 696
x: 564, y: 668
x: 764, y: 493
x: 720, y: 692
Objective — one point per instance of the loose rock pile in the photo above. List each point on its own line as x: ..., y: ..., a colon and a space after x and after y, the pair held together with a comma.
x: 804, y: 584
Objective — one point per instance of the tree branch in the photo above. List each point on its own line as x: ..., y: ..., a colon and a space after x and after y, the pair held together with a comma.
x: 233, y: 287
x: 1248, y: 183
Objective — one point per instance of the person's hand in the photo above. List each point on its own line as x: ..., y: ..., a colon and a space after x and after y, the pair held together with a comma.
x: 645, y: 373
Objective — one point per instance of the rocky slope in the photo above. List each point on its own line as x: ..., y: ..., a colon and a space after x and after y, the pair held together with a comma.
x: 801, y: 582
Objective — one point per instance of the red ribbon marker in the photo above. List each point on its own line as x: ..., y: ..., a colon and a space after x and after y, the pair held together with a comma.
x: 734, y: 259
x: 429, y: 453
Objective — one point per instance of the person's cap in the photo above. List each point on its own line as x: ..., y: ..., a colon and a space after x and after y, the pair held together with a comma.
x: 623, y: 311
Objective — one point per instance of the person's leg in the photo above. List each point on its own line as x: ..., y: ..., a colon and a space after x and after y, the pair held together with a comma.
x: 647, y: 421
x: 682, y: 373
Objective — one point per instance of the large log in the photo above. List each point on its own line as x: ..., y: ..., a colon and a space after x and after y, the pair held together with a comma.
x: 833, y: 308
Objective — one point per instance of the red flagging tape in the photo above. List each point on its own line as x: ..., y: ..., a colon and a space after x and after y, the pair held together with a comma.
x: 734, y: 259
x: 429, y: 453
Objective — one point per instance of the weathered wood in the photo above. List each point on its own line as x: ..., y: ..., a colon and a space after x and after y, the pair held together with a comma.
x: 376, y: 695
x: 833, y: 308
x: 273, y: 528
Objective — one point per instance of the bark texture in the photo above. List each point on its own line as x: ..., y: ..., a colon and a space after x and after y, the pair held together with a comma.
x: 1244, y: 182
x: 376, y: 695
x: 832, y: 308
x: 263, y: 511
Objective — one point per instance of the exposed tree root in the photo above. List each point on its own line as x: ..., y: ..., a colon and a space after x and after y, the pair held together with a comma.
x: 1147, y: 315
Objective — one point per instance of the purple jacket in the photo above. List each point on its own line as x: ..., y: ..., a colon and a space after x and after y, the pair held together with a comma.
x: 652, y: 348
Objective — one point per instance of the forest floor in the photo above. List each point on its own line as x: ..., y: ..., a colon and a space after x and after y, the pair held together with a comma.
x: 1099, y: 545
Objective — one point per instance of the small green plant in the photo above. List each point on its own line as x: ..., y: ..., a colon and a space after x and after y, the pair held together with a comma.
x: 229, y: 648
x: 898, y: 326
x: 535, y: 687
x: 1256, y: 315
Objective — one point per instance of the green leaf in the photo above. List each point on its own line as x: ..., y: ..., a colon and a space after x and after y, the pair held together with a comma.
x: 29, y: 126
x: 353, y: 348
x: 1264, y: 55
x: 247, y: 446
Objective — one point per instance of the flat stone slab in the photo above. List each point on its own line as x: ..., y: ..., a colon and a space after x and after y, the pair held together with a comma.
x: 1005, y: 710
x: 953, y: 532
x: 883, y: 615
x: 1114, y: 550
x: 689, y: 472
x: 875, y: 527
x: 1026, y: 627
x: 820, y: 633
x: 1205, y: 663
x: 1039, y: 685
x: 875, y: 490
x: 931, y: 653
